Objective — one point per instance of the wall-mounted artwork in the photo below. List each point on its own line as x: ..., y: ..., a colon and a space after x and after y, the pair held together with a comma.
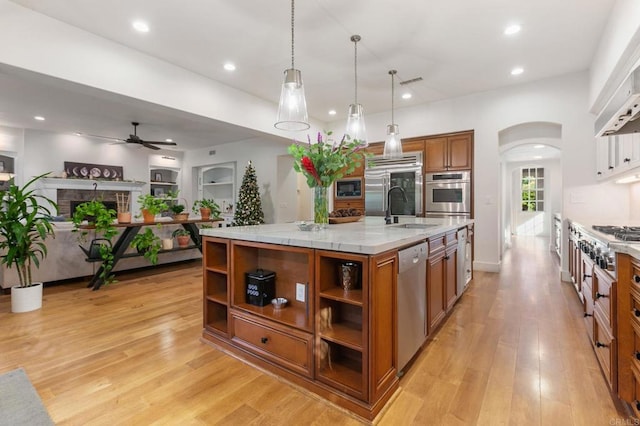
x: 93, y: 171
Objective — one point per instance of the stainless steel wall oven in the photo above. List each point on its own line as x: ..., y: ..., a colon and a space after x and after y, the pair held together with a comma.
x: 448, y: 194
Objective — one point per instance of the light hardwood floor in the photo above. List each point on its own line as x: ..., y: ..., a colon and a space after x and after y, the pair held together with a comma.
x: 513, y: 351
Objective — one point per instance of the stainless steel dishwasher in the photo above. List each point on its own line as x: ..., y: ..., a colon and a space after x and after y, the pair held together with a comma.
x: 411, y: 302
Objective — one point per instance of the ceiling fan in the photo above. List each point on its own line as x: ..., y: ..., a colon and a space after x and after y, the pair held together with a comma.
x: 135, y: 139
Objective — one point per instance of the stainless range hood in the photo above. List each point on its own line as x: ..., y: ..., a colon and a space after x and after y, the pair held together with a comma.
x: 622, y: 113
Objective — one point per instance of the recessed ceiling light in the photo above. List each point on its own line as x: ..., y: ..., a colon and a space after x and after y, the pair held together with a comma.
x: 512, y: 29
x: 168, y: 140
x: 406, y: 96
x: 517, y: 71
x: 141, y: 26
x: 332, y: 112
x: 39, y: 118
x: 538, y: 146
x: 537, y: 157
x: 78, y: 134
x: 229, y: 66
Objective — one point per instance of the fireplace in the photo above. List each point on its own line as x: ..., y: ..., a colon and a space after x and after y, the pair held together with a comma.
x: 75, y: 203
x: 69, y: 199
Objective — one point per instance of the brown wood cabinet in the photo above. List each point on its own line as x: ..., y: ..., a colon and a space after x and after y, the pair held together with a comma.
x: 349, y: 204
x: 339, y: 344
x: 441, y: 278
x: 445, y: 153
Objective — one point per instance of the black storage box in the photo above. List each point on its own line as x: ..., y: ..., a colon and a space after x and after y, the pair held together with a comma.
x: 261, y: 287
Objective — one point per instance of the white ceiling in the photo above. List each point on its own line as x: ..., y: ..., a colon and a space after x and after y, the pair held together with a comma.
x: 529, y: 152
x: 456, y: 47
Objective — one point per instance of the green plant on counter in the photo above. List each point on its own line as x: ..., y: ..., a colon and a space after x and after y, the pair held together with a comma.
x: 153, y: 205
x: 177, y: 208
x: 149, y: 244
x: 24, y: 226
x: 100, y: 219
x: 206, y: 203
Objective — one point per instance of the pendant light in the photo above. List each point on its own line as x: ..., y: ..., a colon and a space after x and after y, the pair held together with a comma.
x: 356, y: 128
x: 393, y: 143
x: 292, y: 110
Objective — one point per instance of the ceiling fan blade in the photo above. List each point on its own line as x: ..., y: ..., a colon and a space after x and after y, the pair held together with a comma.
x: 161, y: 143
x: 148, y: 145
x: 103, y: 137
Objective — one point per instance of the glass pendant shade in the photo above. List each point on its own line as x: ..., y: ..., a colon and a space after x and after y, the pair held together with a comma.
x: 393, y: 143
x: 356, y: 127
x: 292, y: 110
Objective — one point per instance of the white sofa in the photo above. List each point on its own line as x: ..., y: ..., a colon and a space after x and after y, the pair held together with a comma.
x: 66, y: 260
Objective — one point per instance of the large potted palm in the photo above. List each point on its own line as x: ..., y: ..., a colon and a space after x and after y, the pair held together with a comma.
x: 25, y: 224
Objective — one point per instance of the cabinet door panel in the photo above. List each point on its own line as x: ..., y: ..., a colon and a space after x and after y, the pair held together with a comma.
x: 459, y: 152
x: 435, y: 290
x: 451, y: 265
x: 435, y: 155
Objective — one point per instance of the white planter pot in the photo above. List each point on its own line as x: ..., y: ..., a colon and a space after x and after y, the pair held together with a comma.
x: 167, y: 243
x: 26, y: 299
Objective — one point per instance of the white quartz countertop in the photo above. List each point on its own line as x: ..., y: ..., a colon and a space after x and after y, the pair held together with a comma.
x: 370, y: 235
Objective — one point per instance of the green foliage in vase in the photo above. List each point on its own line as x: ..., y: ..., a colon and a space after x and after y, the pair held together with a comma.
x: 323, y: 162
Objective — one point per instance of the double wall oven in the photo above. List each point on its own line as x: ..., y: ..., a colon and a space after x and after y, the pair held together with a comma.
x: 448, y: 194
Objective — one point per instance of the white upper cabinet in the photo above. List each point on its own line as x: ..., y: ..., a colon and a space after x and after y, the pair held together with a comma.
x: 617, y: 154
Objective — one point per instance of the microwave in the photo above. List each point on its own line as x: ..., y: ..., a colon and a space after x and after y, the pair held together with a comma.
x: 348, y: 188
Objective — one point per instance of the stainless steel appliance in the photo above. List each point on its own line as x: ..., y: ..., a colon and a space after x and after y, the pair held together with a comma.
x: 348, y: 188
x: 411, y: 302
x: 448, y: 194
x: 382, y: 174
x: 461, y: 282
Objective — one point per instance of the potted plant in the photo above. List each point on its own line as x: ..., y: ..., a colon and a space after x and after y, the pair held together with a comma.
x: 207, y: 208
x: 183, y: 236
x: 150, y: 206
x: 149, y: 244
x: 124, y: 209
x: 100, y: 219
x: 25, y: 224
x: 178, y: 211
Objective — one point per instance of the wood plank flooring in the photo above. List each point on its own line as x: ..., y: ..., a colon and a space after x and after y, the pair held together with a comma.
x: 514, y: 351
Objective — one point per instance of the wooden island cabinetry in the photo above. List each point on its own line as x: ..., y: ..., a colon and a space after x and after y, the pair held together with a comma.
x: 346, y: 358
x: 441, y: 278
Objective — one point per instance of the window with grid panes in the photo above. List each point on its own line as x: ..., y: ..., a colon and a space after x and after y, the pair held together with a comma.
x: 532, y: 189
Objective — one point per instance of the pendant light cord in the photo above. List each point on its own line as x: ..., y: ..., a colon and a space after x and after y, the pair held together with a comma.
x: 355, y: 67
x: 393, y: 73
x: 292, y: 32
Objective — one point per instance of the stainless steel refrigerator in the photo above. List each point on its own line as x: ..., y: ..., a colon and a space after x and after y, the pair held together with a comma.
x: 378, y: 181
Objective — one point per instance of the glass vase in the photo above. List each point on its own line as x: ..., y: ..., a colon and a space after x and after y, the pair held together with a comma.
x: 320, y: 206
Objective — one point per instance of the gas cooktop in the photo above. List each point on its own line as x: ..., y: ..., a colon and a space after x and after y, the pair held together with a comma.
x: 623, y: 233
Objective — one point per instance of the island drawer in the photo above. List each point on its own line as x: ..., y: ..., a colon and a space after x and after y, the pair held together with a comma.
x: 635, y: 388
x: 290, y: 348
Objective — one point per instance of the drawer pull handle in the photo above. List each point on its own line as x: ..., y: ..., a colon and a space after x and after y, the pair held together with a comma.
x: 636, y: 312
x: 637, y: 355
x: 599, y: 295
x: 587, y: 315
x: 601, y: 345
x: 636, y: 278
x: 264, y: 339
x: 585, y: 276
x: 637, y: 405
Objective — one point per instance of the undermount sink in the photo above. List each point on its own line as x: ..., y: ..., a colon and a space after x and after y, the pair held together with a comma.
x: 414, y: 225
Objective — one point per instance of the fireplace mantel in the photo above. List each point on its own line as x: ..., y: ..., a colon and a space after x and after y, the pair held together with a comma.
x: 49, y: 187
x: 103, y: 185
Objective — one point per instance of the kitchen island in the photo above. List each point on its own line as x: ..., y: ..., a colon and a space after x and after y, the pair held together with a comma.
x: 340, y: 344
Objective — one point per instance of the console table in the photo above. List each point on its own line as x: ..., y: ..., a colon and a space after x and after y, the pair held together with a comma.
x: 131, y: 229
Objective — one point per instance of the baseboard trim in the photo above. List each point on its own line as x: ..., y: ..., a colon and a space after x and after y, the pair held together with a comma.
x: 486, y: 266
x: 565, y: 276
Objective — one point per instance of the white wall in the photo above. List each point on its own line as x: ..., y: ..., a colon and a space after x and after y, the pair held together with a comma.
x: 263, y: 152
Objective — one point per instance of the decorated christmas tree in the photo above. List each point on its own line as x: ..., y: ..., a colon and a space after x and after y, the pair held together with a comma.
x: 249, y: 207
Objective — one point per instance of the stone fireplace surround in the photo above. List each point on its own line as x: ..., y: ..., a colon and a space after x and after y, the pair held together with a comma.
x: 69, y: 198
